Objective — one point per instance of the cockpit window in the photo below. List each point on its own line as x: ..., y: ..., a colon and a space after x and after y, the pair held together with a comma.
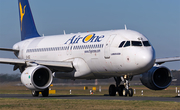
x: 122, y: 43
x: 127, y: 44
x: 136, y: 43
x: 146, y: 43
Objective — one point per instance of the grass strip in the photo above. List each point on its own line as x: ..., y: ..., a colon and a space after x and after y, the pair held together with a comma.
x: 71, y: 104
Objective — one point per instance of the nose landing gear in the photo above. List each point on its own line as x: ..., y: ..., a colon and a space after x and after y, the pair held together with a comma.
x: 123, y: 90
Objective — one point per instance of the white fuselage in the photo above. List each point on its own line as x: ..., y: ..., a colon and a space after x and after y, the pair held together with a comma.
x: 98, y: 51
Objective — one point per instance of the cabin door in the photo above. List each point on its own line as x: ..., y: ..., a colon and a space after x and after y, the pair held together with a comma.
x: 107, y: 46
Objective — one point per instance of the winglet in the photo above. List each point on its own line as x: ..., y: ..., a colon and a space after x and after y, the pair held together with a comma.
x: 27, y: 25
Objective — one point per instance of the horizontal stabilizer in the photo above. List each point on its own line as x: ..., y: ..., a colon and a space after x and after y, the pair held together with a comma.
x: 7, y: 49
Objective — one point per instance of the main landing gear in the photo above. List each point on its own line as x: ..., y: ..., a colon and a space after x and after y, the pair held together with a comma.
x: 123, y: 90
x: 45, y: 93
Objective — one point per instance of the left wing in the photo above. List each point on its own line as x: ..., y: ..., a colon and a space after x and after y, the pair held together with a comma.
x: 169, y: 59
x: 19, y: 63
x: 53, y: 65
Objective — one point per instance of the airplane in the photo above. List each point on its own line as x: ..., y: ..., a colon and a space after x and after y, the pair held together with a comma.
x: 120, y: 54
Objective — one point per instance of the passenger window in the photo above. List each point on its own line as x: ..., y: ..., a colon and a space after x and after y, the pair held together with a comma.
x: 136, y: 43
x: 122, y: 43
x: 146, y: 43
x: 127, y: 44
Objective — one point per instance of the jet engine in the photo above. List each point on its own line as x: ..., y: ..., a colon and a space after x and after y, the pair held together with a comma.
x: 37, y: 77
x: 157, y: 78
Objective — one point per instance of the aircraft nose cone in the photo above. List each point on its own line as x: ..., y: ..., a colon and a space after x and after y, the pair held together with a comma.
x: 145, y: 59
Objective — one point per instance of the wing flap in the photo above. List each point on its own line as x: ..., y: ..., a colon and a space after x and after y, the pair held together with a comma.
x: 55, y: 63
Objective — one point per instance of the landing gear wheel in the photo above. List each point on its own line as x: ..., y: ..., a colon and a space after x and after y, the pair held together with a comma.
x: 35, y: 93
x: 45, y: 93
x: 125, y: 92
x: 130, y: 91
x: 112, y: 90
x: 120, y: 90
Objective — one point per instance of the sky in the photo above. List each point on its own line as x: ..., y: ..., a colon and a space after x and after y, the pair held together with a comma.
x: 158, y: 20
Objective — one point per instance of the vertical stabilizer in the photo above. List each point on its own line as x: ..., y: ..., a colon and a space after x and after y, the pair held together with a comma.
x: 27, y: 25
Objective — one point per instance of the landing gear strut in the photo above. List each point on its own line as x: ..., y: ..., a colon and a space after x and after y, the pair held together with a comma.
x: 35, y: 93
x: 123, y: 90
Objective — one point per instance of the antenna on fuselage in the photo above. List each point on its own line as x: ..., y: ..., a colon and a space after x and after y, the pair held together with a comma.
x: 125, y: 27
x: 64, y: 32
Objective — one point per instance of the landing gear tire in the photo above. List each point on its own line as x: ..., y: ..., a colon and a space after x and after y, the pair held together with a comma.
x: 130, y: 92
x: 125, y: 92
x: 112, y: 90
x: 45, y: 93
x: 120, y: 90
x: 35, y: 93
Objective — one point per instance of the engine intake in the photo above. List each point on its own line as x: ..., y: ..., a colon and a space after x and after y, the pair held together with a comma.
x: 157, y: 78
x: 37, y: 77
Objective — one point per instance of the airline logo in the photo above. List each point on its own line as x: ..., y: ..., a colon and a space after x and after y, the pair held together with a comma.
x: 22, y: 13
x: 89, y: 38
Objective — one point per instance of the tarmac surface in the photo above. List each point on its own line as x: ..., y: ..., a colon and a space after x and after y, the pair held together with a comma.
x: 91, y: 97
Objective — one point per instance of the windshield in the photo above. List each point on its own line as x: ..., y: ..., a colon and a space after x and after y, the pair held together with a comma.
x: 127, y: 44
x: 146, y: 43
x: 122, y: 43
x: 136, y: 43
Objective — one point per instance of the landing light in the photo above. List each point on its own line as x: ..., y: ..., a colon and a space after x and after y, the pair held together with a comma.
x: 125, y: 76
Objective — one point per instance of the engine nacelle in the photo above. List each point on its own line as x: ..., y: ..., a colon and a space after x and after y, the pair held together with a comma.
x: 37, y: 77
x: 157, y: 78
